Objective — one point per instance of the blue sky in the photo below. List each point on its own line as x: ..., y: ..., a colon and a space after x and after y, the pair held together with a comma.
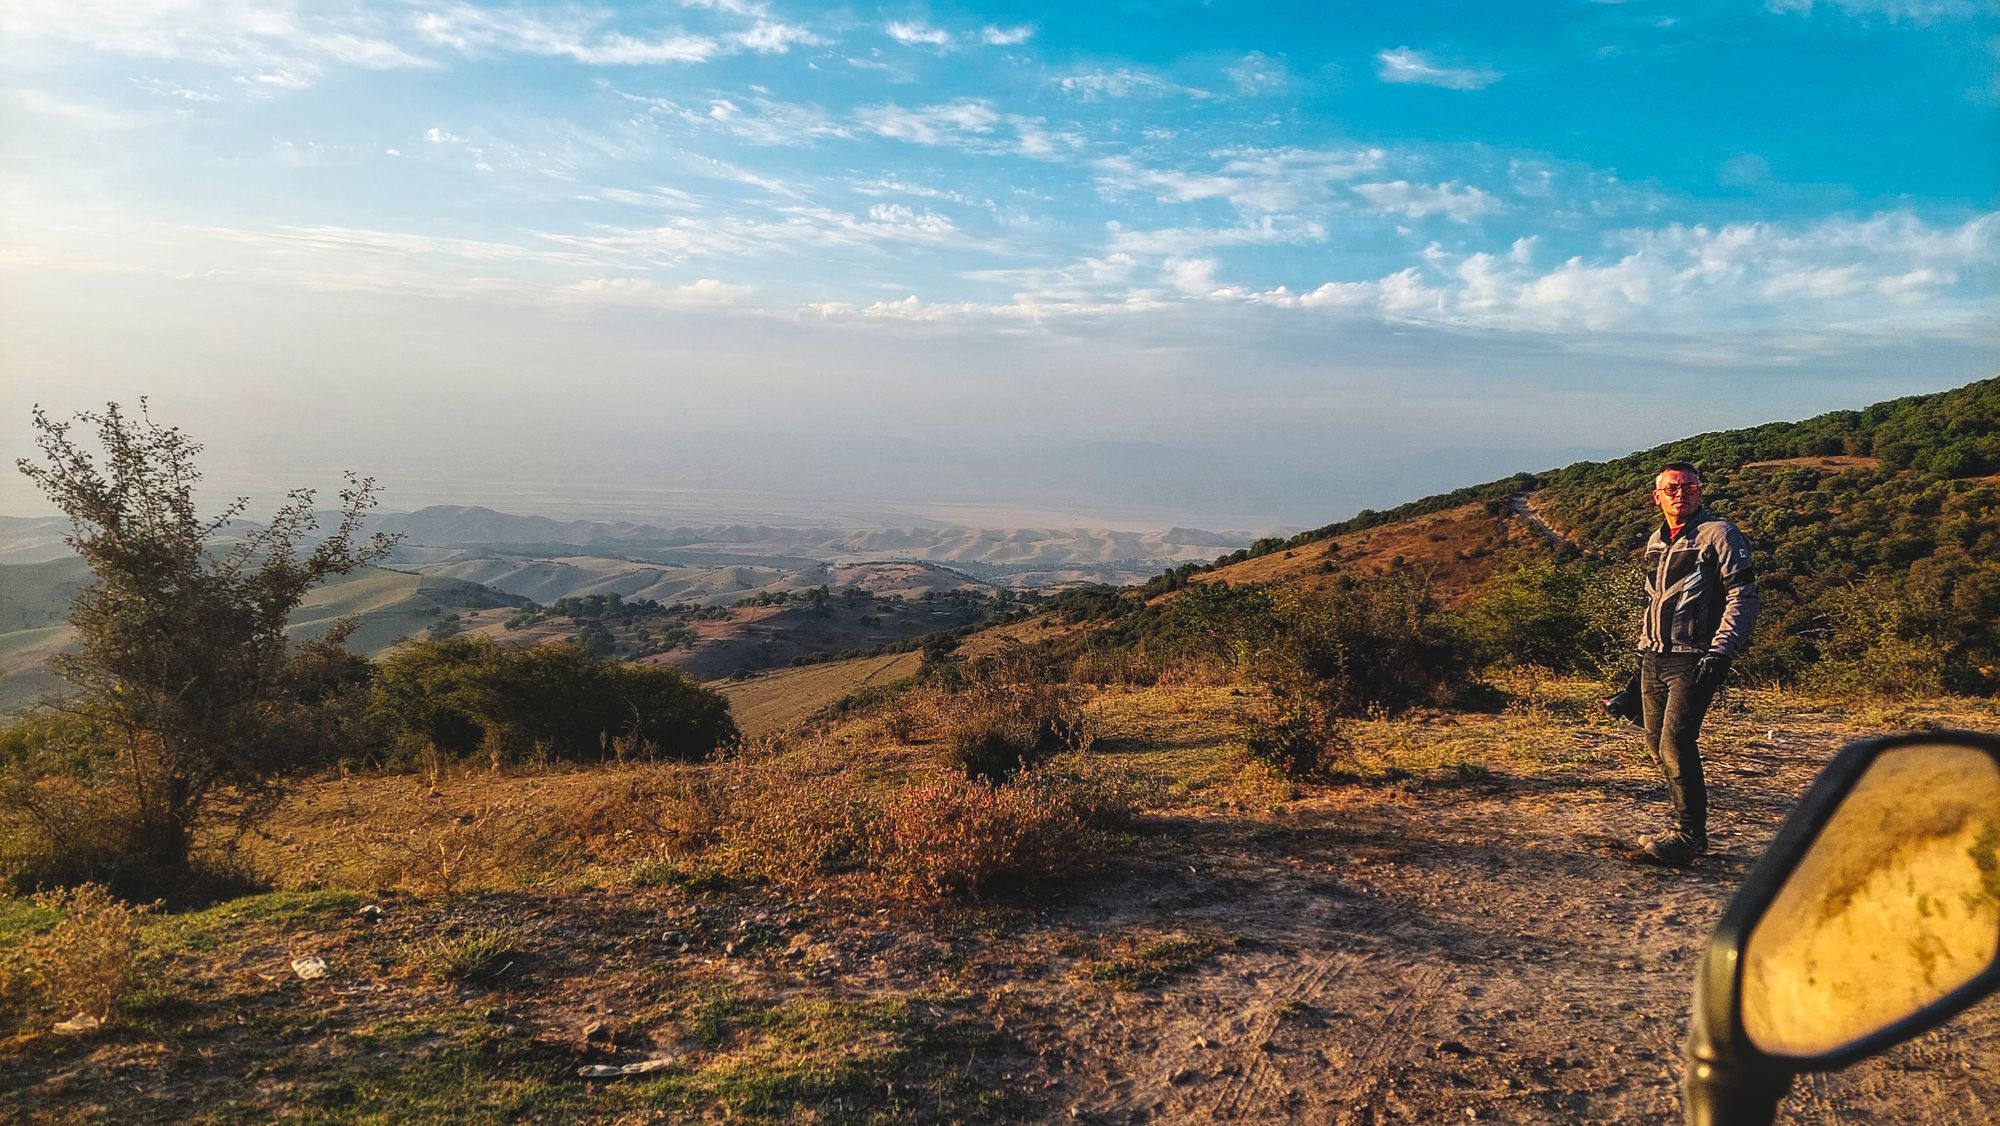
x: 1237, y: 264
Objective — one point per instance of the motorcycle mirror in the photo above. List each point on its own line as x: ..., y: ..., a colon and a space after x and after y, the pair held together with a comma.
x: 1874, y: 916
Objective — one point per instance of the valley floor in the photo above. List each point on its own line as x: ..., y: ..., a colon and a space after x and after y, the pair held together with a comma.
x: 1447, y: 938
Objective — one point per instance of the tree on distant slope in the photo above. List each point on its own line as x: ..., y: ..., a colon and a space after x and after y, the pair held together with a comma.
x: 184, y: 661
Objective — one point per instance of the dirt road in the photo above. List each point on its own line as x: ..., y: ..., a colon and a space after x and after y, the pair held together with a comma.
x: 1444, y: 955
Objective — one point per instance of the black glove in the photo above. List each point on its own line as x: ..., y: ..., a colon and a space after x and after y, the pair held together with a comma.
x: 1625, y: 703
x: 1711, y: 671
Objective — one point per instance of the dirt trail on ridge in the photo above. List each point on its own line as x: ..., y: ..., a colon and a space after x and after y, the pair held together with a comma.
x: 1447, y: 953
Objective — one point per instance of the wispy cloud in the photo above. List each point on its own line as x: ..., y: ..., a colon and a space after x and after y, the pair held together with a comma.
x: 1251, y: 180
x: 268, y: 47
x: 701, y: 293
x: 1123, y: 82
x: 1007, y: 36
x: 918, y: 33
x: 756, y: 118
x: 1916, y: 11
x: 1258, y: 73
x: 929, y: 125
x: 572, y: 34
x: 773, y: 38
x: 1414, y: 201
x: 1402, y: 64
x: 973, y: 125
x: 1265, y: 230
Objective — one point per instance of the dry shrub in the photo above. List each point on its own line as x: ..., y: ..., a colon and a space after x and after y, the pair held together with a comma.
x: 671, y: 807
x: 995, y: 731
x: 86, y: 962
x: 952, y: 838
x: 795, y: 827
x: 914, y: 714
x: 57, y: 830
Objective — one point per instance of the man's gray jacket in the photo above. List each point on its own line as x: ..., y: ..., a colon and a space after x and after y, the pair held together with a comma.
x: 1701, y: 594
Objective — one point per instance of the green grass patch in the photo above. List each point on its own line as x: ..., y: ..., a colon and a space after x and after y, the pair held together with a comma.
x: 285, y: 910
x: 1159, y: 960
x: 476, y: 955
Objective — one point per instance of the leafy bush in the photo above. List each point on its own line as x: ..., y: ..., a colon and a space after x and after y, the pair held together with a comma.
x: 182, y: 650
x: 1299, y: 740
x: 463, y: 694
x: 1362, y: 646
x: 1577, y: 617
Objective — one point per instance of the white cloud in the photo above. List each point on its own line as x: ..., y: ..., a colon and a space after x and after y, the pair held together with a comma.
x: 920, y: 191
x: 1181, y: 241
x: 367, y: 53
x: 1251, y: 180
x: 571, y: 34
x: 916, y: 33
x: 755, y: 118
x: 704, y: 292
x: 268, y: 46
x: 1192, y: 276
x: 1414, y: 201
x: 1007, y: 36
x: 1257, y: 73
x: 1916, y: 11
x: 1122, y: 83
x: 1890, y: 274
x: 772, y: 38
x: 969, y: 124
x: 930, y: 125
x: 1402, y: 64
x: 75, y: 116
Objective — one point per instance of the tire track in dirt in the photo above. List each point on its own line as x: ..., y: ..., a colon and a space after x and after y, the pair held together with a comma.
x: 1257, y: 1083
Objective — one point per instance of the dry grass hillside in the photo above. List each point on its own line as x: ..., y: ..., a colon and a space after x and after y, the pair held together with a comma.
x: 1440, y: 935
x: 1457, y: 548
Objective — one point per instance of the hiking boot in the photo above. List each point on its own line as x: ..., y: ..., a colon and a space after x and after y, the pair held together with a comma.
x: 1672, y: 850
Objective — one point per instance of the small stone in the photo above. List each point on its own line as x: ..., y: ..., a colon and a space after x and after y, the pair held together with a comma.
x: 596, y: 1031
x: 372, y: 913
x: 1450, y: 1047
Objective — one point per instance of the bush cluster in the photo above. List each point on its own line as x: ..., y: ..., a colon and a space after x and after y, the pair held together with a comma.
x: 932, y: 838
x: 465, y: 695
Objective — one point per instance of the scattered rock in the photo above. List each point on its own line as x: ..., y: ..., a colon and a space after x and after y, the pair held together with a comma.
x: 597, y: 1032
x: 81, y: 1022
x: 372, y: 913
x: 309, y: 968
x: 616, y: 1071
x: 1450, y: 1047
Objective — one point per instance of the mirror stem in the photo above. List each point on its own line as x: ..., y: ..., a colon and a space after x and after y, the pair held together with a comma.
x: 1716, y: 1094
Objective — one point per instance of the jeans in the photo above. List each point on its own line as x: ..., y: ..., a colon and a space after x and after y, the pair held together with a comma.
x: 1674, y: 702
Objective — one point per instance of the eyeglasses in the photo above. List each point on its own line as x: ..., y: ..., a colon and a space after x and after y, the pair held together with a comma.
x: 1676, y: 490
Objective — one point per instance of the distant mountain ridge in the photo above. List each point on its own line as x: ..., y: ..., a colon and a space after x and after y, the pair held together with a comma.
x: 448, y: 525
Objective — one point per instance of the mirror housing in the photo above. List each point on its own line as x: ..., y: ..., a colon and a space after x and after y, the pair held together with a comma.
x: 1730, y: 1079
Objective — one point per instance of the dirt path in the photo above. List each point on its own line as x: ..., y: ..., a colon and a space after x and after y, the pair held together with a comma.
x: 1522, y: 505
x: 1442, y: 956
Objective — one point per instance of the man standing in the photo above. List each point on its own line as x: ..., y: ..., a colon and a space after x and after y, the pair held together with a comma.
x: 1701, y: 600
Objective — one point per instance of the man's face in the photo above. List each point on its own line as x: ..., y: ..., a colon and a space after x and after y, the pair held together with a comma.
x: 1678, y: 494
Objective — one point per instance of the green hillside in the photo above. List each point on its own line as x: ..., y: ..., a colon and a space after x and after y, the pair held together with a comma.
x: 388, y: 605
x: 1877, y: 534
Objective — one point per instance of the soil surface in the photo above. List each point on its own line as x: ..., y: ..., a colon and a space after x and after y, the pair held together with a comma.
x: 1480, y: 952
x: 1464, y: 943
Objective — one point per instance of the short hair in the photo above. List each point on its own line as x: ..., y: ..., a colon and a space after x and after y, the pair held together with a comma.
x: 1686, y: 467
